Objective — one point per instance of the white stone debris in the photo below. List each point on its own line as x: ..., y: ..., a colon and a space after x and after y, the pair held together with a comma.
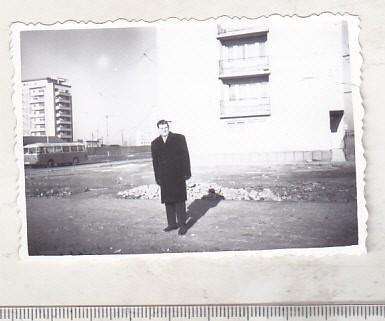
x: 54, y: 192
x: 203, y: 190
x: 141, y: 192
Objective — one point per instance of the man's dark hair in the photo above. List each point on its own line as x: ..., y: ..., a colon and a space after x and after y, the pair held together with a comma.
x: 162, y: 122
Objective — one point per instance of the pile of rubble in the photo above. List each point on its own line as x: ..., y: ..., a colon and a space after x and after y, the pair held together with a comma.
x: 202, y: 190
x: 148, y: 192
x: 56, y: 192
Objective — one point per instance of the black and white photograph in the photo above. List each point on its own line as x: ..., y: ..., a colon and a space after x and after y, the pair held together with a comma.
x: 190, y: 136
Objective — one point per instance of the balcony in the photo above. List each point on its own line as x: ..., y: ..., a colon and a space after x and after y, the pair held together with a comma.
x: 225, y: 34
x: 254, y: 107
x: 244, y: 67
x: 63, y: 114
x: 38, y: 113
x: 37, y: 130
x: 64, y: 135
x: 37, y: 121
x: 39, y: 93
x: 37, y: 99
x: 62, y: 107
x: 37, y: 108
x: 63, y: 129
x: 34, y: 133
x: 64, y: 99
x: 63, y: 122
x: 62, y: 93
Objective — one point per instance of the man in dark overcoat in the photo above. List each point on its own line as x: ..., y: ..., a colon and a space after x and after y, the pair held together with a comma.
x: 171, y: 163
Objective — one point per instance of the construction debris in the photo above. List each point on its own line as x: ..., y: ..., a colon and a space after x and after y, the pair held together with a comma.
x: 202, y: 190
x: 141, y: 192
x: 53, y: 192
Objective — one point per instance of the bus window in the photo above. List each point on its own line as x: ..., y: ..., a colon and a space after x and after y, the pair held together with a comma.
x: 74, y: 148
x: 66, y: 149
x: 25, y: 150
x: 32, y: 150
x: 49, y: 150
x: 58, y: 149
x: 41, y: 150
x: 81, y: 148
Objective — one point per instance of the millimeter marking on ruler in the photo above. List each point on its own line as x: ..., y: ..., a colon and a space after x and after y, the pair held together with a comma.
x: 191, y: 312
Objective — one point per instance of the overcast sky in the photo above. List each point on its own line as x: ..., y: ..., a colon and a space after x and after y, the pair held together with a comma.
x: 112, y: 72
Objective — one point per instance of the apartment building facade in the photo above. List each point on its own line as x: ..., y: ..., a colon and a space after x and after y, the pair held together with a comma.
x: 47, y: 108
x: 276, y: 90
x: 244, y: 73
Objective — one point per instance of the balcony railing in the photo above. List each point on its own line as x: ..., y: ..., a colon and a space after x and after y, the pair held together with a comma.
x: 62, y: 99
x: 38, y: 94
x: 64, y: 136
x: 37, y: 99
x: 37, y: 107
x: 37, y: 121
x: 62, y: 107
x: 252, y: 107
x: 60, y: 93
x: 244, y: 66
x: 43, y: 133
x: 36, y: 130
x: 236, y: 33
x: 60, y: 121
x: 63, y: 114
x: 64, y: 129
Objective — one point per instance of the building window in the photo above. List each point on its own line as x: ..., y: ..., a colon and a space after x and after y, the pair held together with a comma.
x: 50, y: 149
x: 38, y: 126
x: 244, y: 73
x: 335, y: 118
x: 36, y: 91
x: 245, y: 98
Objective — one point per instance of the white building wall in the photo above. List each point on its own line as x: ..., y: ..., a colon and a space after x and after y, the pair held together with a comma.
x: 305, y: 83
x: 26, y: 110
x: 189, y: 90
x: 34, y: 107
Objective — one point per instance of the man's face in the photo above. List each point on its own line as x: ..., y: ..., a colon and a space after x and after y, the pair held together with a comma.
x: 163, y: 130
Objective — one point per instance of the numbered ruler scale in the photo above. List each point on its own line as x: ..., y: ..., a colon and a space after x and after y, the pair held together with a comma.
x: 197, y: 312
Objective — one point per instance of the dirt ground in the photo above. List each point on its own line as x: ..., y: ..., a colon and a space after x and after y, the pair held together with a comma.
x: 76, y: 210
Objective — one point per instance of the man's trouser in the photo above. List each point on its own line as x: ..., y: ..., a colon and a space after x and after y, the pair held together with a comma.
x: 174, y: 211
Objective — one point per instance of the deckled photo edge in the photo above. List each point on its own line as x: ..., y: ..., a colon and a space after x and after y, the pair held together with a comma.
x: 16, y: 98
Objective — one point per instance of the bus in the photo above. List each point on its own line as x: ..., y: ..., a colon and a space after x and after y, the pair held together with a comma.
x: 51, y: 154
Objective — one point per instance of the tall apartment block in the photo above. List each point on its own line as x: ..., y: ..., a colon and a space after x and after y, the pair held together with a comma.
x: 47, y: 108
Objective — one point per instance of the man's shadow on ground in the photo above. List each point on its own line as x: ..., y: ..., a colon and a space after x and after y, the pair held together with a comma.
x: 199, y: 207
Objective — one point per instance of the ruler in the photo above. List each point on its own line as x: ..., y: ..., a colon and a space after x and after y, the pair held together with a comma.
x: 196, y: 312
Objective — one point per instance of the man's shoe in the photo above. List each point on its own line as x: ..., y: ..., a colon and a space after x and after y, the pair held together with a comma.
x: 170, y: 228
x: 182, y: 230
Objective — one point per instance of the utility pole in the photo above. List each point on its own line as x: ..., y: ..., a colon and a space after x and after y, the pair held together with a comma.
x: 122, y: 137
x: 107, y: 129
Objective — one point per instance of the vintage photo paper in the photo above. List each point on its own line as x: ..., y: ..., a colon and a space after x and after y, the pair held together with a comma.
x: 259, y: 151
